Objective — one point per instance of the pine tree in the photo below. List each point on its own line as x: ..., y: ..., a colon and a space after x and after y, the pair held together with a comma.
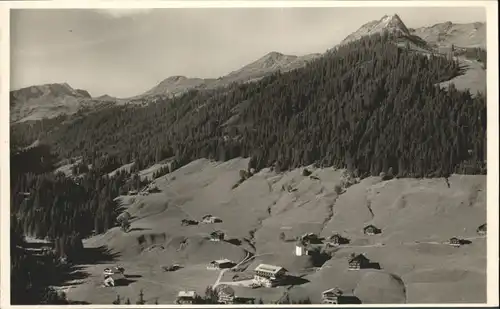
x: 117, y: 301
x: 141, y: 300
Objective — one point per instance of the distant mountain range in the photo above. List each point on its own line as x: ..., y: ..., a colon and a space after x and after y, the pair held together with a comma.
x: 50, y: 100
x: 461, y: 35
x: 271, y: 62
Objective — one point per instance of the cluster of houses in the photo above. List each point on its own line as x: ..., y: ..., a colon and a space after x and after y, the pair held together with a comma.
x: 304, y: 242
x: 264, y: 275
x: 206, y: 219
x: 225, y: 295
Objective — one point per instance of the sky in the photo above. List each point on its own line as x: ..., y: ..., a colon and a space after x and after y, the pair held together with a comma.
x: 124, y: 53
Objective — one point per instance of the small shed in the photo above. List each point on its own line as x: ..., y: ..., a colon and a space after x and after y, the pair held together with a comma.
x: 217, y: 236
x: 331, y: 296
x: 207, y: 219
x: 337, y: 239
x: 358, y: 261
x: 371, y: 230
x: 220, y: 264
x: 481, y: 230
x: 455, y: 242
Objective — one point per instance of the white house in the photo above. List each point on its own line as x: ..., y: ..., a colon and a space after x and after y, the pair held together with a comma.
x: 301, y: 250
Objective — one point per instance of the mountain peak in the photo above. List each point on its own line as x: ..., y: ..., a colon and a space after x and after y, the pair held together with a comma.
x: 271, y: 60
x: 175, y: 78
x: 54, y: 89
x: 273, y: 55
x: 391, y: 23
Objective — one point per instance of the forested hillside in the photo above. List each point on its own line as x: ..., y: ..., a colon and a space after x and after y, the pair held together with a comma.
x: 60, y: 209
x: 368, y: 105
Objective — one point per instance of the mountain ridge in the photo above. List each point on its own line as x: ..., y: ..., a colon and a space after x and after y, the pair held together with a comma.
x: 459, y: 34
x: 50, y: 100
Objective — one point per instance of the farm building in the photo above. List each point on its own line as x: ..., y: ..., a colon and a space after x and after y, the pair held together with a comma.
x: 225, y: 294
x: 337, y: 239
x: 217, y: 236
x: 207, y: 219
x: 114, y: 279
x: 309, y: 237
x: 186, y: 297
x: 481, y: 230
x: 220, y: 264
x: 301, y: 249
x: 371, y: 230
x: 358, y: 261
x: 268, y: 275
x: 331, y: 296
x: 132, y: 192
x: 188, y: 222
x: 455, y: 242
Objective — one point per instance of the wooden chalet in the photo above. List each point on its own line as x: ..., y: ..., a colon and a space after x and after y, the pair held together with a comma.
x: 371, y: 230
x: 455, y: 242
x: 331, y: 296
x: 359, y: 261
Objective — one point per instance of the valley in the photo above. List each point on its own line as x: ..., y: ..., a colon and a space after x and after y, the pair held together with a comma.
x: 417, y: 218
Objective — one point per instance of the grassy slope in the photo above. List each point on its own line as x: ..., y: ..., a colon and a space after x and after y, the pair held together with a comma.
x: 408, y: 211
x: 473, y: 77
